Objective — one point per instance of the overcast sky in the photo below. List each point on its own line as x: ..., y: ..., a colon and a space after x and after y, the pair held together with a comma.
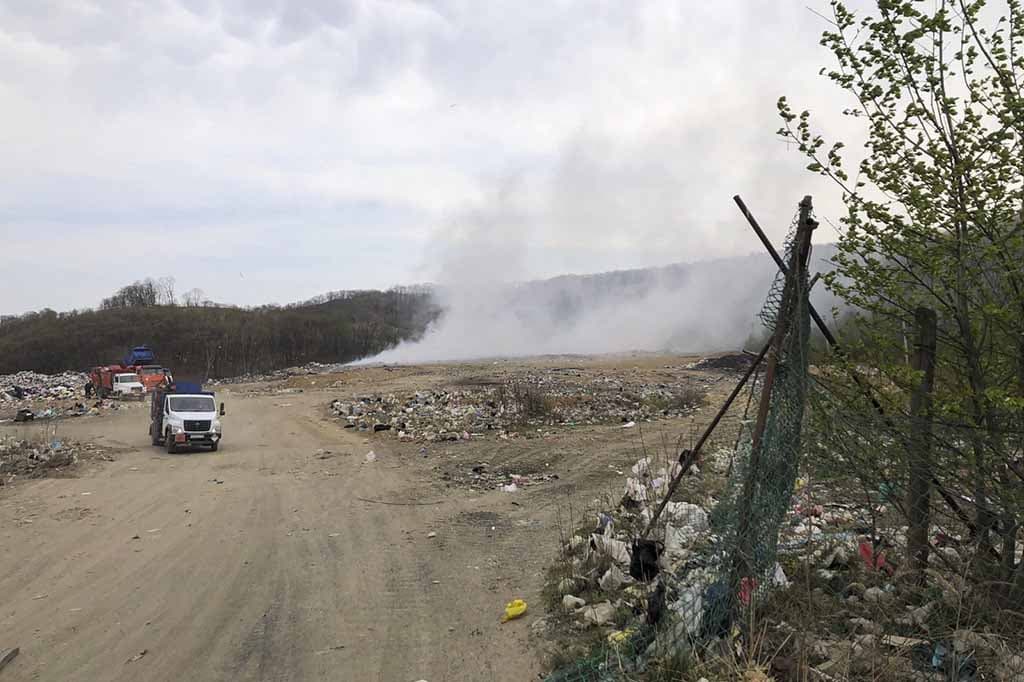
x: 271, y: 150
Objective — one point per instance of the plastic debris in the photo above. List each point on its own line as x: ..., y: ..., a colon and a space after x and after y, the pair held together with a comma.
x: 371, y: 457
x: 514, y: 609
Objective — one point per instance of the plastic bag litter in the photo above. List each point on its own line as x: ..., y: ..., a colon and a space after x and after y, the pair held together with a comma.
x: 510, y: 488
x: 371, y: 456
x: 513, y: 610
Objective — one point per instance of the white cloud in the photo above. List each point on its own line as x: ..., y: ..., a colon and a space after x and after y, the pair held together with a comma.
x: 369, y: 127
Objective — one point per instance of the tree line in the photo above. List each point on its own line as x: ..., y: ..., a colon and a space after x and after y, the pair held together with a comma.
x: 202, y: 340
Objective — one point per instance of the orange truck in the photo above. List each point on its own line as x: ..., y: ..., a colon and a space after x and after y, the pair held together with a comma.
x: 152, y: 376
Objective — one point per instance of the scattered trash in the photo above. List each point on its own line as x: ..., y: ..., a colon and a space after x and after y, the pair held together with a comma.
x: 500, y: 407
x: 431, y: 534
x: 617, y: 637
x: 40, y: 596
x: 137, y: 656
x: 571, y: 603
x: 510, y: 488
x: 598, y: 614
x: 371, y: 457
x: 8, y: 656
x: 514, y: 609
x: 643, y: 565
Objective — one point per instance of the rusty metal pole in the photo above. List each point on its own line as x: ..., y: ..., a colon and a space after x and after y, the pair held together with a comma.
x: 688, y: 457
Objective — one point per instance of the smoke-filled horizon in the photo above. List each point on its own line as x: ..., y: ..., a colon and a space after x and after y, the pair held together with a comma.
x: 699, y: 307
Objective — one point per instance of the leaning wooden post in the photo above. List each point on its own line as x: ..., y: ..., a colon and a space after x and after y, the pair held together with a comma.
x: 920, y: 443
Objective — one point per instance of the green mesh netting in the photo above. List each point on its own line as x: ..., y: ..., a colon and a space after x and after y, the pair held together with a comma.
x: 708, y: 595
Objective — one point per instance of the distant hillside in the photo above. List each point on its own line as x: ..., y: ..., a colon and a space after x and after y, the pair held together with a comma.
x: 212, y: 341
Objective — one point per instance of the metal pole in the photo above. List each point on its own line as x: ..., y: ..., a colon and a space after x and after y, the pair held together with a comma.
x: 943, y: 493
x: 688, y: 457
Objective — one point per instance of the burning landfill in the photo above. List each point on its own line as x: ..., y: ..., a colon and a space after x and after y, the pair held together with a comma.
x: 501, y: 406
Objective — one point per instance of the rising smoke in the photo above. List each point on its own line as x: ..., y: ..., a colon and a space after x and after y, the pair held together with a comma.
x: 604, y: 205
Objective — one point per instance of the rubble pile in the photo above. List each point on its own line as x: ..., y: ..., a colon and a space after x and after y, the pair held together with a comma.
x: 532, y: 399
x: 310, y: 368
x: 23, y: 388
x: 27, y: 459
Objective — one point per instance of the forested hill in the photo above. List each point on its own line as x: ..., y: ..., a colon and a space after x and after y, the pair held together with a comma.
x: 209, y: 341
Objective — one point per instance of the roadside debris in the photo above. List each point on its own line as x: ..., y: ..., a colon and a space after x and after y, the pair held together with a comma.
x: 23, y: 458
x: 137, y: 656
x: 514, y: 609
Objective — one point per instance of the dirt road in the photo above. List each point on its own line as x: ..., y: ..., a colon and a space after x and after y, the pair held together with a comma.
x: 261, y: 561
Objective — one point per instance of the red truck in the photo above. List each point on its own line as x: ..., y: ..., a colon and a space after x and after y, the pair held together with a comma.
x: 117, y: 381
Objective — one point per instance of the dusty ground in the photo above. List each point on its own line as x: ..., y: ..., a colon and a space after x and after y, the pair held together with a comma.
x: 269, y: 561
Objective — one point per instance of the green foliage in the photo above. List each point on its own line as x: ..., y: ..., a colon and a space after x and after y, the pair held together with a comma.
x: 934, y: 216
x: 217, y: 341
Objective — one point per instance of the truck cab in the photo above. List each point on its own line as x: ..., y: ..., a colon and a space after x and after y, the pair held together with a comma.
x: 183, y: 417
x: 127, y: 385
x: 152, y: 376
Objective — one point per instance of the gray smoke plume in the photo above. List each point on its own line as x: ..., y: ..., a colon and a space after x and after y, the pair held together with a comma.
x: 601, y: 205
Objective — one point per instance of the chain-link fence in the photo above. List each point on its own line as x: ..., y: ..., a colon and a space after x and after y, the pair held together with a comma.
x: 785, y: 558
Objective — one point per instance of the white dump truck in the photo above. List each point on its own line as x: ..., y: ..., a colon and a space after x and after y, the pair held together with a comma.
x: 185, y: 416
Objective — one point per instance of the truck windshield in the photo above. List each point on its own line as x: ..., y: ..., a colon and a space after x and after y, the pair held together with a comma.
x: 126, y: 378
x: 192, y: 403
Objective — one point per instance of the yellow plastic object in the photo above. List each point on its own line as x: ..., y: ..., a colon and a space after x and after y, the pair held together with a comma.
x: 619, y: 636
x: 513, y: 610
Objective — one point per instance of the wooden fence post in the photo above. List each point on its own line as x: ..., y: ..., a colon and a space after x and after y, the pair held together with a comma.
x: 920, y: 442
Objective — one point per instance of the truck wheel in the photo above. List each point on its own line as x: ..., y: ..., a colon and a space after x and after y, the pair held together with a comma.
x: 171, y: 449
x: 213, y: 448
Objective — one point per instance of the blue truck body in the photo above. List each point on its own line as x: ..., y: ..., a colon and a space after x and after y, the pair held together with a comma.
x: 140, y: 355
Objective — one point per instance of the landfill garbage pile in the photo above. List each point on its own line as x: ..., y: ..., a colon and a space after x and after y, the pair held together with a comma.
x: 310, y: 368
x: 845, y: 613
x: 533, y: 399
x: 28, y: 459
x: 23, y: 388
